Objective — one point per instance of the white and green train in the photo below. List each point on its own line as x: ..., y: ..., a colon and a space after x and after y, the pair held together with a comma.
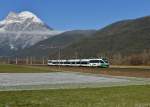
x: 80, y: 62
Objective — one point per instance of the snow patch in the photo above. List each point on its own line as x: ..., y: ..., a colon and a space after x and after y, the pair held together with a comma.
x: 27, y: 14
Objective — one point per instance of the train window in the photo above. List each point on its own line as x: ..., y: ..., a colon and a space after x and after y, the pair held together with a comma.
x: 73, y: 62
x: 55, y: 63
x: 77, y: 62
x: 84, y: 62
x: 101, y: 61
x: 66, y: 62
x: 94, y: 61
x: 61, y: 62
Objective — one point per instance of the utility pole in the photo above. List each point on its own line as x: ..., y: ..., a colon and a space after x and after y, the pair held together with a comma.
x: 59, y: 56
x: 76, y: 55
x: 16, y: 60
x: 43, y: 61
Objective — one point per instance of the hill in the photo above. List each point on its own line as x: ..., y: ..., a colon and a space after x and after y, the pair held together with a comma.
x: 53, y: 44
x: 124, y: 37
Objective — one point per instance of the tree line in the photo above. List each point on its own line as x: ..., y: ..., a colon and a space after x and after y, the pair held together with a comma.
x: 142, y: 58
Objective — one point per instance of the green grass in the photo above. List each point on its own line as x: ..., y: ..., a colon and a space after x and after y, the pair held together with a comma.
x: 129, y: 96
x: 23, y: 69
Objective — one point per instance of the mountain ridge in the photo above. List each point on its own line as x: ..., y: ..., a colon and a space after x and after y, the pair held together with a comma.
x: 123, y: 37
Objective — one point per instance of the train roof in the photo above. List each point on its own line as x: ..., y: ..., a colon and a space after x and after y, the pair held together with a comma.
x: 63, y: 60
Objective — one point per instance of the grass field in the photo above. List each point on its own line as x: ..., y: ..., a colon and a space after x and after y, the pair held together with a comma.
x: 23, y: 69
x: 128, y: 96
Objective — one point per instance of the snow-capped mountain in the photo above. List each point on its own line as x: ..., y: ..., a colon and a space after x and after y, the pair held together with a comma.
x: 21, y: 30
x: 20, y: 17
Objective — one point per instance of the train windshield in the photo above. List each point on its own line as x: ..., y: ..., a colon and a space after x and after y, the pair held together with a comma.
x: 105, y: 60
x: 101, y: 61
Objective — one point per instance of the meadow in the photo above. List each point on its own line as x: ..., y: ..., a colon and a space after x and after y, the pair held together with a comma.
x: 127, y: 96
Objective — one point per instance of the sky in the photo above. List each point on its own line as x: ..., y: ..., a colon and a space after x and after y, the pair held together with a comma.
x: 78, y: 14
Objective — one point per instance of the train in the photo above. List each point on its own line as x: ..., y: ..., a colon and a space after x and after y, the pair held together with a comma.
x: 97, y: 62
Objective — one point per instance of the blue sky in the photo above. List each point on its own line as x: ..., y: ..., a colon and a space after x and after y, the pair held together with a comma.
x: 78, y: 14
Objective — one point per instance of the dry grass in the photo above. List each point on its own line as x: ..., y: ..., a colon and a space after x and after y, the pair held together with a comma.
x: 131, y: 71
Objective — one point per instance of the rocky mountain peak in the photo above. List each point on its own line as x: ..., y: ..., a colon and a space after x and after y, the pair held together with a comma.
x: 21, y: 30
x: 21, y: 17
